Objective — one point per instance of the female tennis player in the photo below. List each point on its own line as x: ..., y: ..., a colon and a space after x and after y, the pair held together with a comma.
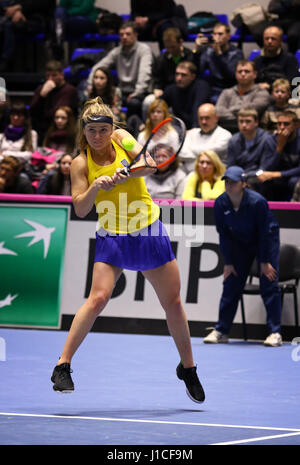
x: 125, y: 239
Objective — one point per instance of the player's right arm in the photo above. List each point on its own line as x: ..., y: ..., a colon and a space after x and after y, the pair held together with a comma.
x: 83, y: 194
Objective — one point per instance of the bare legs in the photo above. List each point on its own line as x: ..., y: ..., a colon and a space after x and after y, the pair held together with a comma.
x: 104, y: 279
x: 166, y: 283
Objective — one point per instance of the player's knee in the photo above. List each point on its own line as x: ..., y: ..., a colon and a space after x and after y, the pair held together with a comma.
x: 173, y: 303
x: 98, y: 301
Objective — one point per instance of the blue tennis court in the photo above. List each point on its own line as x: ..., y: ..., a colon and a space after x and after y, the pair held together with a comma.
x: 127, y: 392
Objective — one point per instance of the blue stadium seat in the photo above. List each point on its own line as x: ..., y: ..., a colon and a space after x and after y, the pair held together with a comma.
x: 81, y: 51
x: 77, y: 53
x: 297, y: 55
x: 253, y: 54
x: 93, y: 36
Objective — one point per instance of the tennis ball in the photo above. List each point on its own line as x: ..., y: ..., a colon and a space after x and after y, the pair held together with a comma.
x: 128, y: 143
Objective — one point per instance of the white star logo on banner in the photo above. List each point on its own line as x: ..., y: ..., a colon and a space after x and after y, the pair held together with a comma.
x: 40, y: 233
x: 8, y: 300
x: 5, y: 251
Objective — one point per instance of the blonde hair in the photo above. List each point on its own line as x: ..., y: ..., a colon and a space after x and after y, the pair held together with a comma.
x: 92, y: 107
x: 282, y: 82
x: 216, y: 161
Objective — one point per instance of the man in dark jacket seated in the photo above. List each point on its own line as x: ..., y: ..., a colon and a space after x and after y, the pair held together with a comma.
x: 279, y: 182
x: 274, y: 62
x: 187, y: 94
x: 251, y: 148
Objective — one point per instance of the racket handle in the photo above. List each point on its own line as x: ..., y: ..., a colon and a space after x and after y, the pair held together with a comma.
x: 125, y: 171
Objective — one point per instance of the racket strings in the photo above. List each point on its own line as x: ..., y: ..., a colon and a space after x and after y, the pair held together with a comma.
x: 167, y: 143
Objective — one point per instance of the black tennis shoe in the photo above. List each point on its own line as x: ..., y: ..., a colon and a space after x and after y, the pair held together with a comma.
x: 61, y: 377
x: 193, y: 386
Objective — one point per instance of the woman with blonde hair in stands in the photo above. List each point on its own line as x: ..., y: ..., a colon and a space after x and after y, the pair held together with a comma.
x: 205, y: 182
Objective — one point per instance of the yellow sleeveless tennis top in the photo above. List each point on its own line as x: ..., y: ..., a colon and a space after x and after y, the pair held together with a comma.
x: 126, y: 208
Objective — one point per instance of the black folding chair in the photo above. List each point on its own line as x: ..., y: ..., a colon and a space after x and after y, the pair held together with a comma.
x: 288, y: 280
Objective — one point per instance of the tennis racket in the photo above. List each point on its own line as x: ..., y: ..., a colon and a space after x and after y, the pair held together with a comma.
x: 163, y: 145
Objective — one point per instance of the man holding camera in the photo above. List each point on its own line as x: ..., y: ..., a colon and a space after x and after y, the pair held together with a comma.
x: 217, y: 57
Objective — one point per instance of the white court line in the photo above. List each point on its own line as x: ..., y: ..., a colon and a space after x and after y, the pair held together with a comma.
x: 262, y: 438
x: 161, y: 422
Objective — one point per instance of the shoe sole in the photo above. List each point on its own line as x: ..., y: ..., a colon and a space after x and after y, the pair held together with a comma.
x: 64, y: 391
x: 192, y: 398
x: 272, y: 345
x: 188, y: 393
x: 215, y: 342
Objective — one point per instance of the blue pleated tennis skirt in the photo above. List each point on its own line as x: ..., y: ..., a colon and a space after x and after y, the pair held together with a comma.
x: 143, y: 250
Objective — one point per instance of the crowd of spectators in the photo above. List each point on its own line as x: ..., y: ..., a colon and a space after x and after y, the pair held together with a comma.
x: 237, y: 111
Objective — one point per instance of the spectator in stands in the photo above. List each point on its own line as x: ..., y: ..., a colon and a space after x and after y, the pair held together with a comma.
x: 289, y: 19
x: 26, y: 17
x: 102, y: 86
x: 61, y: 134
x: 54, y: 93
x: 219, y: 57
x: 153, y: 17
x: 279, y: 183
x: 18, y: 138
x: 281, y: 93
x: 57, y: 181
x: 210, y: 136
x: 132, y: 61
x: 14, y: 181
x: 187, y: 93
x: 245, y: 94
x: 288, y: 12
x: 75, y: 17
x: 158, y: 111
x: 167, y: 182
x: 205, y: 182
x: 247, y: 230
x: 251, y: 148
x: 164, y: 66
x: 274, y: 62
